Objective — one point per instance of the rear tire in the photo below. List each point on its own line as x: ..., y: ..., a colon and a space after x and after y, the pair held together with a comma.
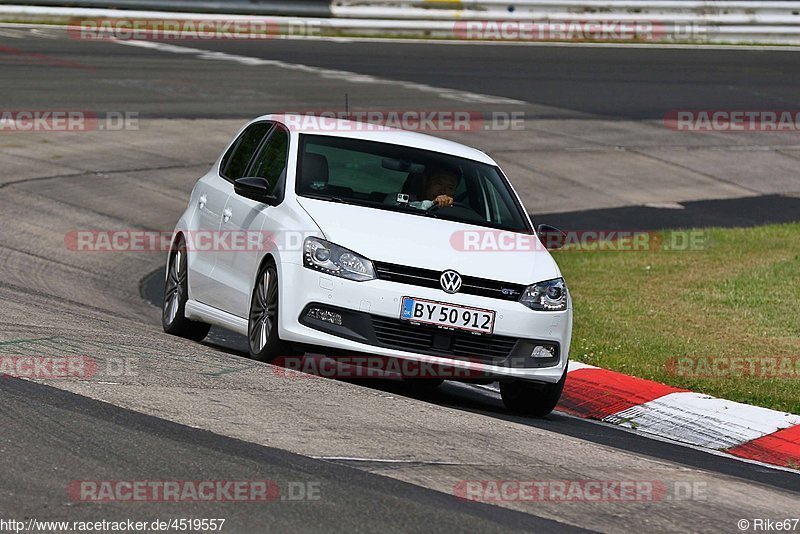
x: 532, y: 398
x: 176, y: 293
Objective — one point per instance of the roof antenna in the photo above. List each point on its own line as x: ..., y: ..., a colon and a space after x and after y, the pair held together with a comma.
x: 346, y: 106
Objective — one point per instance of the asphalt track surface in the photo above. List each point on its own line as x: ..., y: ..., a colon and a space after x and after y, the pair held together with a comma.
x: 619, y: 83
x: 613, y: 82
x: 203, y: 411
x: 728, y: 213
x: 130, y: 446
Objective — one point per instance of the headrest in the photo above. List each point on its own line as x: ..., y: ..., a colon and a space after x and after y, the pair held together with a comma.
x: 413, y: 184
x: 315, y: 171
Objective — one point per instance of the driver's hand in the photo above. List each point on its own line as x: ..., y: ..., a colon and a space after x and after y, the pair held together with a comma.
x: 443, y: 200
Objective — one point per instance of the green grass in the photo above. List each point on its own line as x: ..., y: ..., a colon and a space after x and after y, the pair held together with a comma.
x: 737, y: 296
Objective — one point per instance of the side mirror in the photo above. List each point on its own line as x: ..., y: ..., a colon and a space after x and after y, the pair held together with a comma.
x: 551, y: 237
x: 255, y: 188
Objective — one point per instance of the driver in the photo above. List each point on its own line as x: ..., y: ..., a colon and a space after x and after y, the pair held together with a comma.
x: 439, y: 188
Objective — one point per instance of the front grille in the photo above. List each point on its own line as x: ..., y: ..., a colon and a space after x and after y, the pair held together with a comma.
x: 470, y: 285
x: 495, y: 347
x: 395, y: 333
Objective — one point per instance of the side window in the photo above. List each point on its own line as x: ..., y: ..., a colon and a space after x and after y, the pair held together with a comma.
x: 234, y: 164
x: 498, y: 205
x: 270, y: 163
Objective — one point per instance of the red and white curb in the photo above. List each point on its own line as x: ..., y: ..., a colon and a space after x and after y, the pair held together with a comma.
x: 677, y: 414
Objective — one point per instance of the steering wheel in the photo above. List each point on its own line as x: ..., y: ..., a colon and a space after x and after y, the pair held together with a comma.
x: 455, y: 204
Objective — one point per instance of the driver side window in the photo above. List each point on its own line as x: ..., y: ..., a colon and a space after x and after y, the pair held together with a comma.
x: 270, y: 163
x: 234, y: 163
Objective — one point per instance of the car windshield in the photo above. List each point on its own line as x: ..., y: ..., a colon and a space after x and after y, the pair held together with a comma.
x: 399, y: 178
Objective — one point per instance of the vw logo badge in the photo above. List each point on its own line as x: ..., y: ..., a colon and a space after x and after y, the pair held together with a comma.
x: 451, y: 281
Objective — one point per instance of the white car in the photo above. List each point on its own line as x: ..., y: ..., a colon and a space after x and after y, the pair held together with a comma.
x: 366, y: 257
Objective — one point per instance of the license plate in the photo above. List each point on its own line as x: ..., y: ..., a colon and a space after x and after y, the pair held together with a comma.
x: 447, y: 315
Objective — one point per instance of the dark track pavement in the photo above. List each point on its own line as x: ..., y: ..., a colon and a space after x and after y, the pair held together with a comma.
x: 727, y: 213
x: 614, y: 82
x: 101, y: 442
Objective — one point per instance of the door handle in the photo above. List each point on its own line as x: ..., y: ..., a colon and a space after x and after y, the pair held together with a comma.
x: 226, y: 215
x: 202, y: 203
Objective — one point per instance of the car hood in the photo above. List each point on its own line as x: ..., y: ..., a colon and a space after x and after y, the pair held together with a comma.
x: 417, y: 241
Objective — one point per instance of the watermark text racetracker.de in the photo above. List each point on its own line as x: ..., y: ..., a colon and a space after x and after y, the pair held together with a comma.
x: 32, y: 120
x: 415, y: 120
x: 733, y: 120
x: 195, y: 240
x: 68, y: 367
x: 787, y: 367
x: 562, y: 490
x: 199, y: 29
x: 193, y: 491
x: 608, y: 30
x: 579, y: 241
x: 369, y: 366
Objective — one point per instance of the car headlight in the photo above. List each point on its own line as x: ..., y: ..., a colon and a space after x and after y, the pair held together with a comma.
x: 550, y: 295
x: 328, y: 258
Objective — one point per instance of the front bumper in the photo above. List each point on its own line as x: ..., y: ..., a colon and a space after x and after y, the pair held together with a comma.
x: 370, y: 309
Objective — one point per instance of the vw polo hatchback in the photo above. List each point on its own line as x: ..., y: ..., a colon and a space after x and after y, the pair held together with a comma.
x: 376, y: 246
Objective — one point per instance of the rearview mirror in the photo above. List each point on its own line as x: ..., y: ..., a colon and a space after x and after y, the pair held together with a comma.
x: 551, y: 237
x: 403, y: 166
x: 255, y: 188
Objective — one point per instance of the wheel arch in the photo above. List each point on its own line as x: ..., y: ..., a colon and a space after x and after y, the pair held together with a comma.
x: 266, y: 259
x: 177, y: 235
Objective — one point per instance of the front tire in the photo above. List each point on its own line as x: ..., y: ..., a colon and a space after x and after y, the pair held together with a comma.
x: 262, y: 326
x: 531, y: 398
x: 176, y: 293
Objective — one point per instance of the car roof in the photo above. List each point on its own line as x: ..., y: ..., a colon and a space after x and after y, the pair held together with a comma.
x: 305, y: 124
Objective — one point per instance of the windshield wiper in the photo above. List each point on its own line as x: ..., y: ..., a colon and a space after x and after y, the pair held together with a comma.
x: 405, y: 208
x: 340, y: 200
x: 402, y: 208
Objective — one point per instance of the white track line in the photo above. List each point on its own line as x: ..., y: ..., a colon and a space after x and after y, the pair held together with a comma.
x: 343, y: 75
